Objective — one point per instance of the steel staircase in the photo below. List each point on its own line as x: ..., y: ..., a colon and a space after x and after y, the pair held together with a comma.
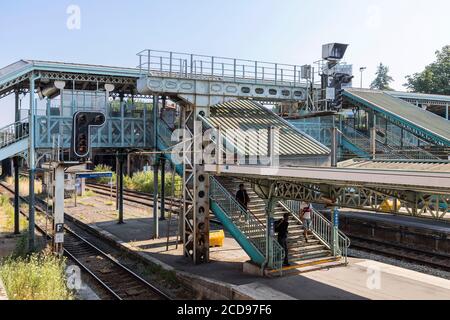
x: 299, y: 249
x: 360, y: 144
x: 13, y: 139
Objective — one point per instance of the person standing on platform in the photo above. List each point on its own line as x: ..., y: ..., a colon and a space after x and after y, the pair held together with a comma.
x: 281, y: 227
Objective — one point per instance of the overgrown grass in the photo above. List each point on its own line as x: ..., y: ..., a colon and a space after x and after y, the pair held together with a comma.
x: 39, y: 276
x: 7, y: 210
x: 24, y: 185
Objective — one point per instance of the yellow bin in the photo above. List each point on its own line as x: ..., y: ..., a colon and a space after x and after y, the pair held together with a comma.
x: 216, y: 238
x: 388, y: 205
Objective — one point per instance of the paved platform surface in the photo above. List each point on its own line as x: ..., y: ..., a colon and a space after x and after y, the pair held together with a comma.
x: 361, y: 279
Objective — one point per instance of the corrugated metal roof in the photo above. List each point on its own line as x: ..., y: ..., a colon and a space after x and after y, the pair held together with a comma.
x: 250, y: 117
x: 419, y: 96
x: 403, y: 110
x: 429, y: 166
x: 16, y: 69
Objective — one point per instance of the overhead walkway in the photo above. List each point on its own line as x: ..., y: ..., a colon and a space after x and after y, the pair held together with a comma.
x: 435, y: 103
x: 13, y: 139
x: 424, y: 124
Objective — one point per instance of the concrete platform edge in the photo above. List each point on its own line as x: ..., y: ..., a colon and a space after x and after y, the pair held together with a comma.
x: 203, y: 287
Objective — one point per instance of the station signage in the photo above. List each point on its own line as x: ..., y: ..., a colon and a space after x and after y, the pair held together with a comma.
x: 94, y: 175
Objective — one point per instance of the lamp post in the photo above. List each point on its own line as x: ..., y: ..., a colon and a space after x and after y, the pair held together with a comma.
x: 362, y: 70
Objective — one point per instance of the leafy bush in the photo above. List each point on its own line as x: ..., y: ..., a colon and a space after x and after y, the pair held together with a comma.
x: 142, y: 181
x: 105, y: 168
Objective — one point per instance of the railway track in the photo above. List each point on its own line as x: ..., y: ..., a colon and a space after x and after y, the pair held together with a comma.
x: 173, y: 205
x: 115, y: 279
x: 137, y: 197
x: 429, y: 259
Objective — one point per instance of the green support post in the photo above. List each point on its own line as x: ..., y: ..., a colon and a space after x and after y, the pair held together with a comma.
x: 335, y: 231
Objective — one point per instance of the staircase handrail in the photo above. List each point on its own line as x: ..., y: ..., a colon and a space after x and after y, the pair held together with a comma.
x: 248, y: 225
x: 14, y: 132
x: 321, y: 227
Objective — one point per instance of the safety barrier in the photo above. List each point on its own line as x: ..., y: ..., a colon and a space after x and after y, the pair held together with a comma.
x: 14, y: 132
x: 249, y: 225
x: 192, y: 66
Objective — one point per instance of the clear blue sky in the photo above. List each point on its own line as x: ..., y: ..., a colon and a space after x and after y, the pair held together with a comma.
x: 403, y: 34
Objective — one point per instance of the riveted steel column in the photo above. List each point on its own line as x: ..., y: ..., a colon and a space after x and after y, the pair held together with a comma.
x: 32, y: 167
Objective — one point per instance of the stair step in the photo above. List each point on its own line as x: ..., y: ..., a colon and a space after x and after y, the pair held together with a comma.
x: 309, y: 255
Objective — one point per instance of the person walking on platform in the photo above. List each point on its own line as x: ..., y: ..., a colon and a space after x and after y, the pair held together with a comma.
x: 281, y: 227
x: 305, y: 216
x: 242, y: 197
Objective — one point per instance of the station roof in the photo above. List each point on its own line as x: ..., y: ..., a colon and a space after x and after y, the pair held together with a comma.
x: 378, y: 178
x: 402, y: 165
x: 16, y: 75
x: 402, y: 111
x: 250, y: 117
x: 419, y: 96
x: 28, y: 65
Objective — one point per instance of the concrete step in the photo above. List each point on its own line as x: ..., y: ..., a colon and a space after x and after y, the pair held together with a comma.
x: 306, y: 249
x: 309, y: 255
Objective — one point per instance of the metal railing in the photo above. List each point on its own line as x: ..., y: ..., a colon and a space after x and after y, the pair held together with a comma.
x: 390, y: 147
x: 321, y: 227
x: 251, y: 227
x: 14, y: 132
x: 185, y: 65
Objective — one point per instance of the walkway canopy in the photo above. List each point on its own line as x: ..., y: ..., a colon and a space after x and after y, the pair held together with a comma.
x: 422, y: 123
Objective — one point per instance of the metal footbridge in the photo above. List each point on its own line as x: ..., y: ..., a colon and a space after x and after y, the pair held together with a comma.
x: 212, y: 95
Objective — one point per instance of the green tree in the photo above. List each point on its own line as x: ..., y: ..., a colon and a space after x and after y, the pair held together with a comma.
x: 435, y: 79
x: 383, y: 79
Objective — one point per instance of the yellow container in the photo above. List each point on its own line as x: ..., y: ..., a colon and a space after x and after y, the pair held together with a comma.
x: 388, y: 205
x: 216, y: 238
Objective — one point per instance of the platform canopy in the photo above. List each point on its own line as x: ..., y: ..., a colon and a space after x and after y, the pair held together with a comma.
x: 85, y: 76
x: 249, y: 117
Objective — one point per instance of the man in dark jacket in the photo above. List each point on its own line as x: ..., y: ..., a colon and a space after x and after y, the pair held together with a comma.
x: 242, y: 196
x: 282, y: 228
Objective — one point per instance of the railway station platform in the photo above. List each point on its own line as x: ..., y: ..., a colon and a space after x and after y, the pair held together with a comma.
x: 362, y: 279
